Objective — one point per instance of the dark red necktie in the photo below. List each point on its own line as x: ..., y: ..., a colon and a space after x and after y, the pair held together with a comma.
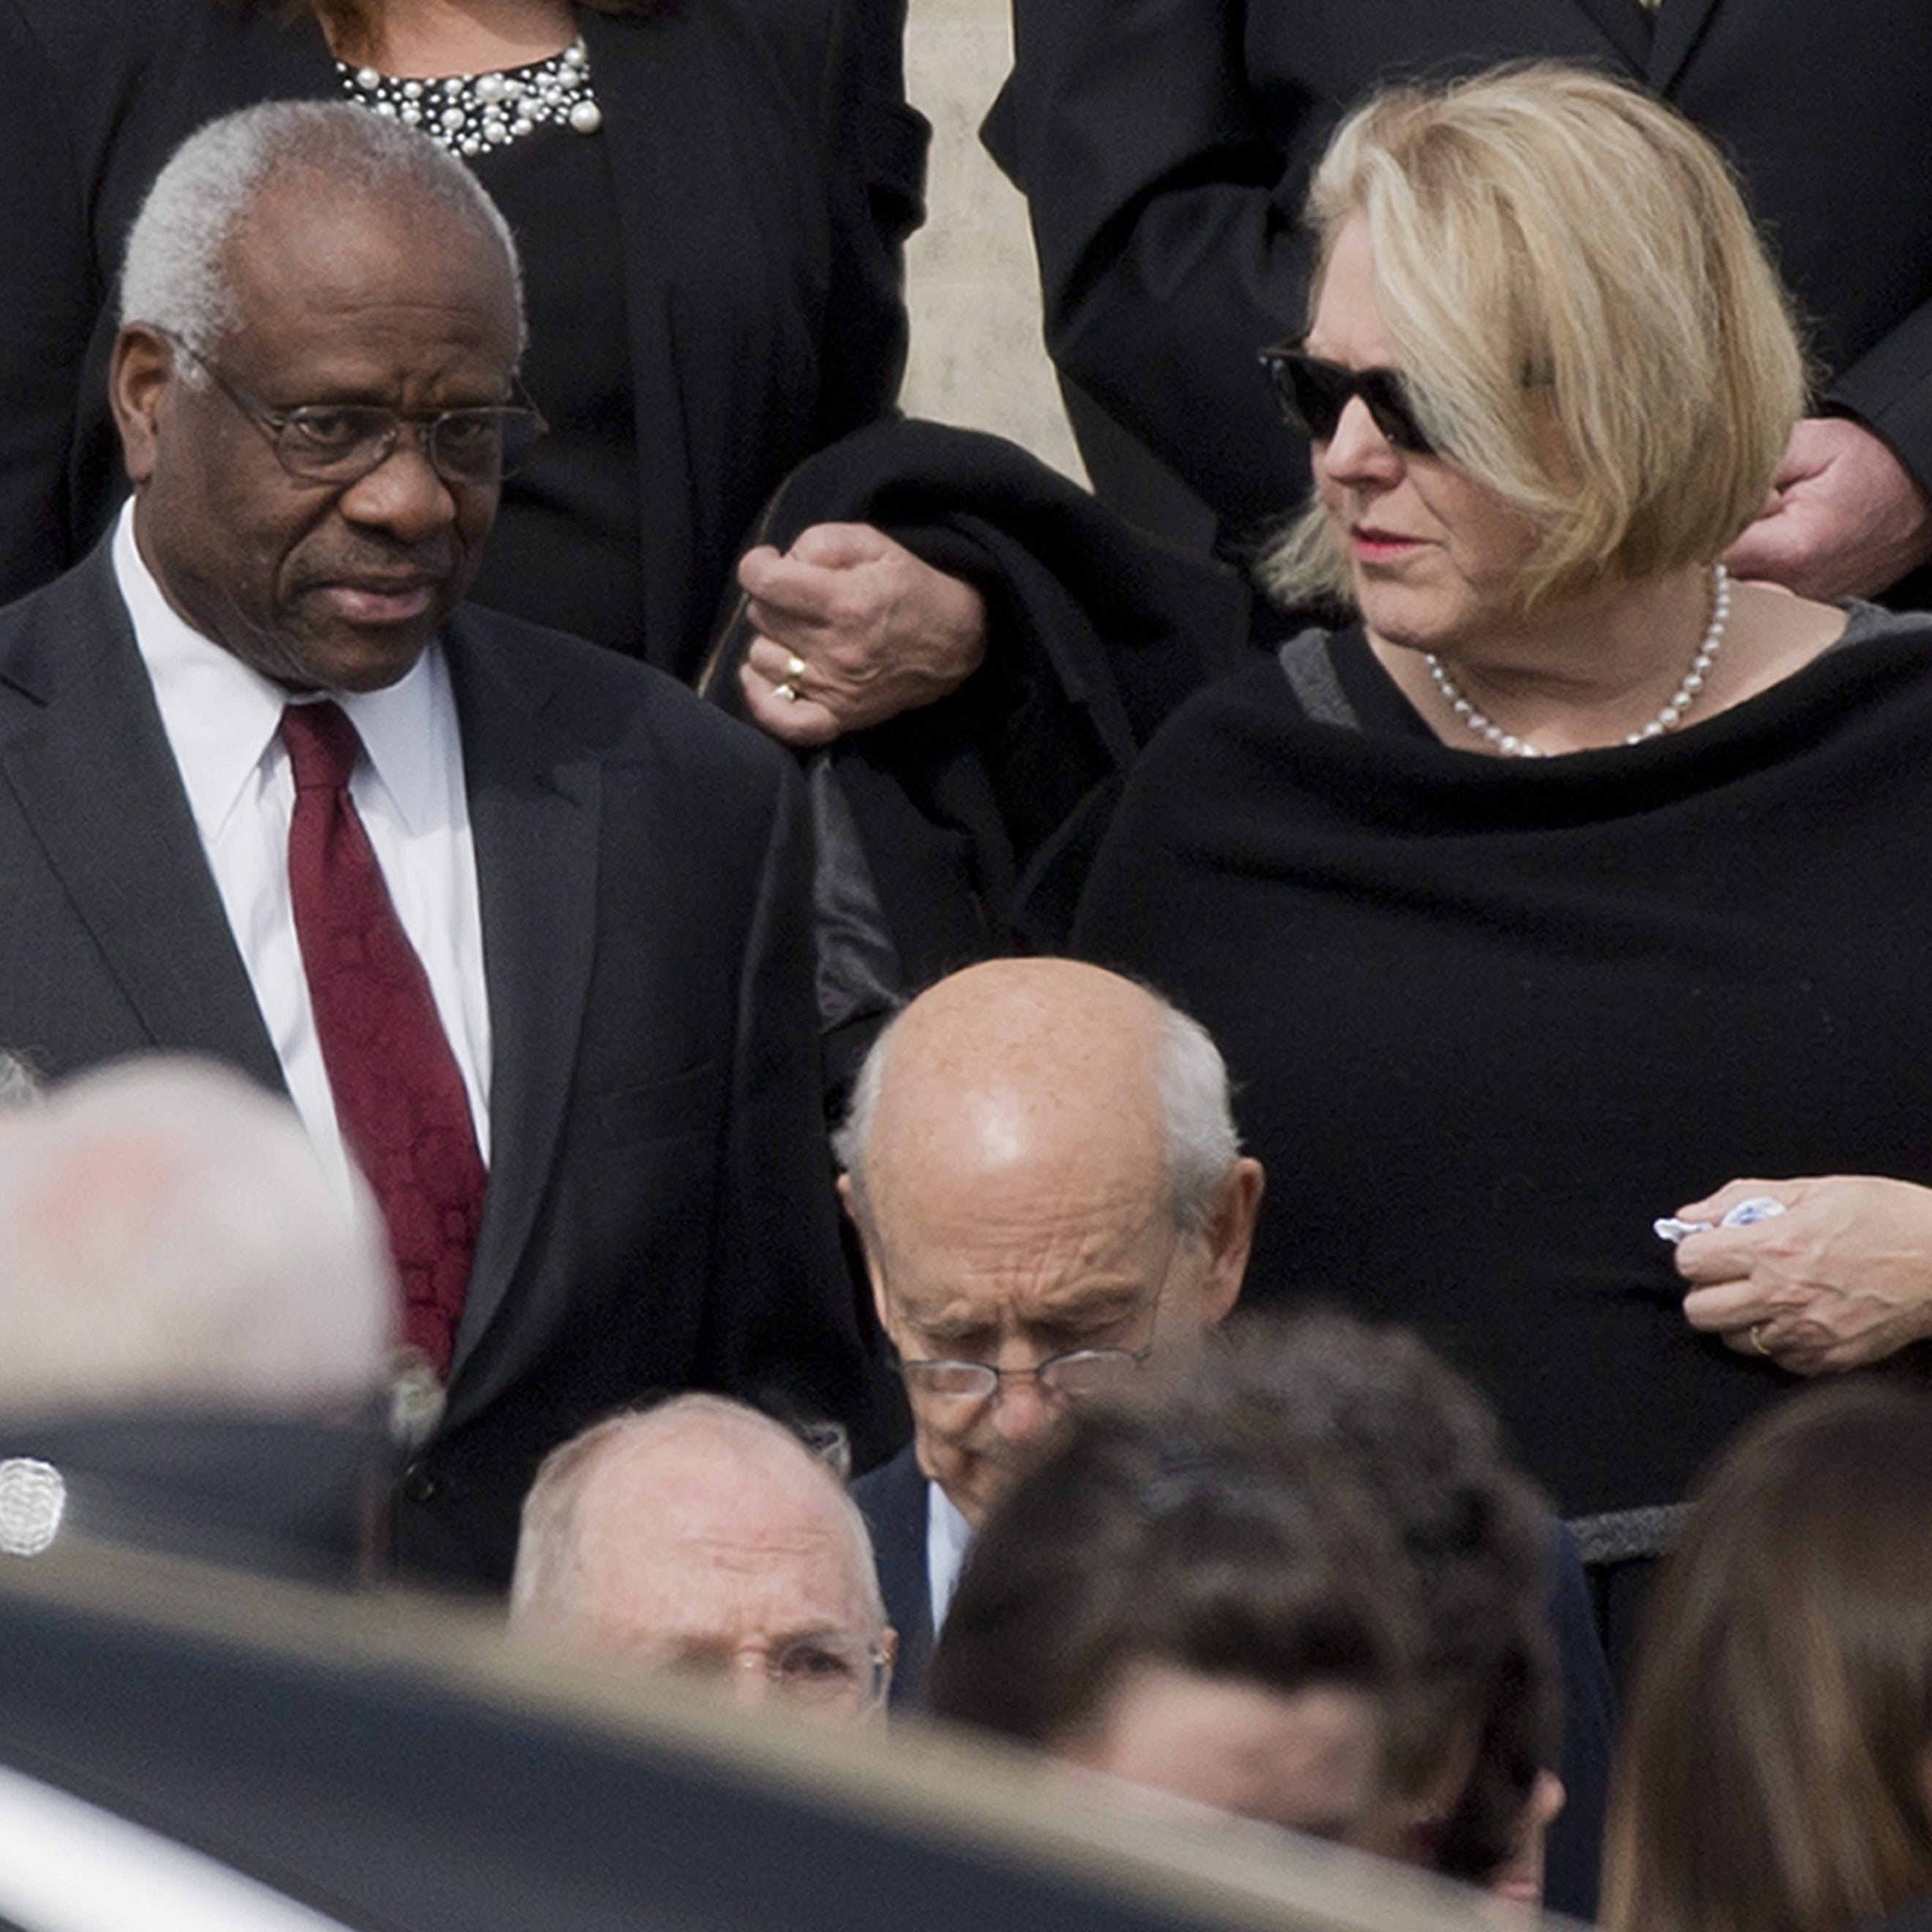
x: 399, y: 1095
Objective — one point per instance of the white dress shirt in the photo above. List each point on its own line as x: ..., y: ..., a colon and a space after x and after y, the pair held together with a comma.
x: 222, y: 719
x: 947, y: 1534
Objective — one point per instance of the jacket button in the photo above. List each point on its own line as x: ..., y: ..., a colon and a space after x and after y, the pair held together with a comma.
x: 418, y: 1485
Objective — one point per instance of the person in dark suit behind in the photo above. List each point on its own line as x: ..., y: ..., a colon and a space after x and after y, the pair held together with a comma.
x: 1041, y: 1162
x: 1165, y: 152
x: 520, y: 927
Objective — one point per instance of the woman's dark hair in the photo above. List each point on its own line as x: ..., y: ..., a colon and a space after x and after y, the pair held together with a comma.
x: 357, y: 24
x: 1772, y: 1772
x: 1173, y: 1535
x: 1475, y: 1535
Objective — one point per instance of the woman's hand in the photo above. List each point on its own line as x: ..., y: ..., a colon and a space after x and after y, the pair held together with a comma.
x: 1842, y: 1278
x: 852, y: 629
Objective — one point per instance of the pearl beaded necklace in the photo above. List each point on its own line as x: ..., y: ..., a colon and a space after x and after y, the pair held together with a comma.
x: 1668, y: 719
x: 470, y: 113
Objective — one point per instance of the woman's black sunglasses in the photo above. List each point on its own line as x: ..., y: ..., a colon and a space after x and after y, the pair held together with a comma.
x: 1313, y: 394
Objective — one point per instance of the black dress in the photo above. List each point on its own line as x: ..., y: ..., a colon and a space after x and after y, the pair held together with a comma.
x: 1488, y: 1018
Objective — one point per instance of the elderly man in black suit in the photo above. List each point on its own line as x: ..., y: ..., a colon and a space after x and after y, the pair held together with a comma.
x: 520, y: 928
x: 1164, y: 149
x: 1043, y: 1169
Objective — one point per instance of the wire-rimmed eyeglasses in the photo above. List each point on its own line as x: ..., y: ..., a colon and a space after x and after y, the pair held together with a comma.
x: 830, y: 1671
x: 1073, y: 1375
x: 342, y: 442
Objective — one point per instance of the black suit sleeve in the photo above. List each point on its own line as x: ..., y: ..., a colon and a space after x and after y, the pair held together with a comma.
x: 1167, y: 230
x: 782, y: 1327
x: 1889, y: 389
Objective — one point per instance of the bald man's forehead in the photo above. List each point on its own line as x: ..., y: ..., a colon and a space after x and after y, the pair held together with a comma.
x: 722, y: 1503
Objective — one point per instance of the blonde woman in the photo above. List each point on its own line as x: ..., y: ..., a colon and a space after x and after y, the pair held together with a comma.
x: 1566, y: 880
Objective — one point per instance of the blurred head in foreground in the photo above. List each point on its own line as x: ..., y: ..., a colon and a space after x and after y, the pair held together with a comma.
x: 196, y: 1325
x: 1475, y: 1535
x: 1325, y: 1518
x: 1181, y: 1599
x: 702, y: 1537
x: 1775, y: 1772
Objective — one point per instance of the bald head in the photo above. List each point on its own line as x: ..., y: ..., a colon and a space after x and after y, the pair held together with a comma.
x: 701, y: 1534
x: 1019, y: 1065
x: 1041, y: 1162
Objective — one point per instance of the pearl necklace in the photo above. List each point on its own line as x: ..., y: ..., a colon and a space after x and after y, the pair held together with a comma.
x: 470, y: 113
x: 1668, y: 719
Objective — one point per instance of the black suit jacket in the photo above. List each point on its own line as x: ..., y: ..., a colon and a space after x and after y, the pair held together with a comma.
x: 892, y: 1500
x: 659, y: 1212
x: 1165, y: 150
x: 764, y: 166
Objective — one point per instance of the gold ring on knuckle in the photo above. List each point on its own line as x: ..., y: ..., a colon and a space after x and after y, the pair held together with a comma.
x: 784, y: 694
x: 1756, y: 1333
x: 796, y: 667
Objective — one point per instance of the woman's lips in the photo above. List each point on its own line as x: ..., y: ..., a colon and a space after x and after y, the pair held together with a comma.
x: 1378, y: 546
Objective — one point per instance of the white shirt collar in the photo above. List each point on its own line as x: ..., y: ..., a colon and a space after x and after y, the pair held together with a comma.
x: 222, y: 716
x: 947, y: 1534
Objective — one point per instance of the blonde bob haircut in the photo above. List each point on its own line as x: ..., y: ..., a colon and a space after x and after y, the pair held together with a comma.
x: 1582, y: 312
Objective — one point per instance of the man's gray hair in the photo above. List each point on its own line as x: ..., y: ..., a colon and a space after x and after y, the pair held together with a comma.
x: 175, y: 274
x: 170, y: 1239
x: 1196, y: 1107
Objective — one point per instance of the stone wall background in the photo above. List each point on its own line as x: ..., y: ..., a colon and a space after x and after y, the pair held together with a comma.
x: 973, y: 287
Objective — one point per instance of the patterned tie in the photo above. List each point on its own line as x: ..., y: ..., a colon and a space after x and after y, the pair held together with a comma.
x: 399, y: 1094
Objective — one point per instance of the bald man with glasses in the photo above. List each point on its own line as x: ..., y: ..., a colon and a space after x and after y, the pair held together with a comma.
x: 1043, y: 1170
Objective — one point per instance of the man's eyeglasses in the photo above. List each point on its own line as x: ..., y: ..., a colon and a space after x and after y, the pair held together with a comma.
x: 342, y: 442
x: 1313, y: 394
x: 1073, y: 1375
x: 832, y: 1671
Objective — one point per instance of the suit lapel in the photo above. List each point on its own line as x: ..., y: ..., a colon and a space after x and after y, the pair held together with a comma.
x: 536, y: 803
x: 1623, y: 25
x: 88, y: 762
x: 1680, y: 25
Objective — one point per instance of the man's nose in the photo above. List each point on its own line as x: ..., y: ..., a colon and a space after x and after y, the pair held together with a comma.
x: 404, y: 494
x: 1022, y: 1409
x: 751, y: 1684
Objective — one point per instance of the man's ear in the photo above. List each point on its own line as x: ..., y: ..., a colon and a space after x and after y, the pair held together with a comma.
x: 141, y: 372
x: 874, y: 1273
x: 1230, y: 1236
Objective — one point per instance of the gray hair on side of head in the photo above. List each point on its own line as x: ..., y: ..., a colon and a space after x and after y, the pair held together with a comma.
x: 174, y: 274
x: 1198, y: 1118
x: 1196, y: 1107
x: 170, y: 1238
